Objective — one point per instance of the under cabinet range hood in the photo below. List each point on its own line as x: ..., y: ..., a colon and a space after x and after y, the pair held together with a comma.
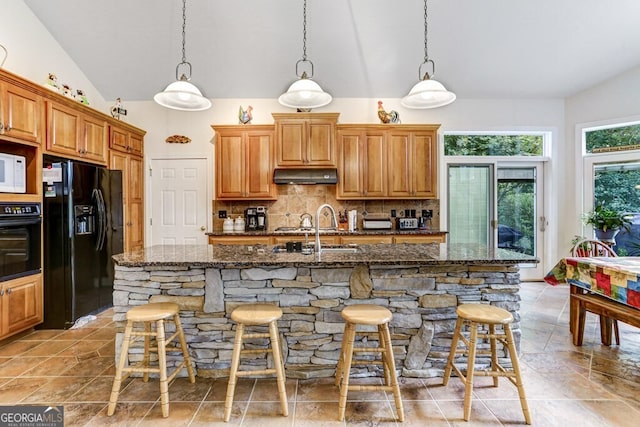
x: 305, y: 176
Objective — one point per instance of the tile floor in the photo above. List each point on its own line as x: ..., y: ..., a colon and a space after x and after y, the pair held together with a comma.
x: 592, y: 385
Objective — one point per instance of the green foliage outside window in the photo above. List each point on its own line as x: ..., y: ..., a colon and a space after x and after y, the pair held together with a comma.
x: 613, y: 139
x: 493, y: 145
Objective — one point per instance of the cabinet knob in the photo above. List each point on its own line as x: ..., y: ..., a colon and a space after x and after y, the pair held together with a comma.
x: 9, y: 291
x: 1, y: 292
x: 1, y: 127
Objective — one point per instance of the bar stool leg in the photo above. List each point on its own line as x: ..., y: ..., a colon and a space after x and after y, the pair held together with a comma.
x: 468, y: 389
x: 122, y: 361
x: 162, y: 361
x: 185, y: 349
x: 348, y: 339
x: 452, y: 353
x: 516, y: 369
x: 390, y: 365
x: 494, y: 353
x: 145, y: 359
x: 233, y: 373
x: 383, y: 345
x: 340, y: 366
x: 279, y: 367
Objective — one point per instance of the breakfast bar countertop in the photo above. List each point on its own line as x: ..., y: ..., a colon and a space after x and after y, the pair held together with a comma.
x: 230, y: 256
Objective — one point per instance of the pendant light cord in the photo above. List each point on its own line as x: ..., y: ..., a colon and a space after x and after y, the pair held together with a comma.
x: 184, y: 27
x: 304, y: 31
x: 6, y: 54
x: 426, y: 30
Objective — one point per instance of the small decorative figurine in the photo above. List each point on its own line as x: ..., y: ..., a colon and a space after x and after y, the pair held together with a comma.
x: 117, y: 110
x: 66, y: 91
x: 390, y: 117
x: 52, y: 82
x: 245, y: 117
x: 80, y: 96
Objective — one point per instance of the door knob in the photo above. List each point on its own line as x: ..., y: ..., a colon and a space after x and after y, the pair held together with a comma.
x: 203, y: 228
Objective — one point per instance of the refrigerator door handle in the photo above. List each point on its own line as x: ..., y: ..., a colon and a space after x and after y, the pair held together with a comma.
x: 102, y: 219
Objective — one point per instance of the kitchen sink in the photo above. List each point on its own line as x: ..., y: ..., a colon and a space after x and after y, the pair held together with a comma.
x: 339, y: 250
x: 334, y: 249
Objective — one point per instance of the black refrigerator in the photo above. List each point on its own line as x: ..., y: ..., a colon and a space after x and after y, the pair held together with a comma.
x: 82, y: 229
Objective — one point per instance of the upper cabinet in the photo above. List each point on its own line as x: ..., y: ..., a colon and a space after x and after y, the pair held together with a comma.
x: 362, y: 163
x: 21, y: 113
x: 387, y: 162
x: 126, y: 141
x: 413, y: 162
x: 305, y: 139
x: 74, y: 134
x: 244, y: 162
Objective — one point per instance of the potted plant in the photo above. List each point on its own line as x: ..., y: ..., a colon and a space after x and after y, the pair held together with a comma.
x: 606, y: 222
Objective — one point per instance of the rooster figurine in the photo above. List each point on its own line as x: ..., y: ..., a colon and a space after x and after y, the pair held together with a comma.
x: 245, y: 117
x: 390, y: 117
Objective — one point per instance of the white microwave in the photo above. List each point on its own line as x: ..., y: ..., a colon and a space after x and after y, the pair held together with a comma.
x: 12, y: 173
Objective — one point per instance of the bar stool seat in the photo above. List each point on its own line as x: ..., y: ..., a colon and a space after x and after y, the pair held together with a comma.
x: 476, y: 315
x: 152, y: 313
x: 256, y: 315
x: 371, y: 315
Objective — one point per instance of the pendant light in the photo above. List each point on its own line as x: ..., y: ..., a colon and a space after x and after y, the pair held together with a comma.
x: 304, y: 94
x: 181, y: 94
x: 427, y: 93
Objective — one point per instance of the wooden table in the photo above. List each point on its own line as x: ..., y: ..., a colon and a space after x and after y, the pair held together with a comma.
x: 608, y: 287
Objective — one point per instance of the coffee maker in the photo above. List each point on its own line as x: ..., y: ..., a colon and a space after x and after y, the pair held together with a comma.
x: 255, y: 218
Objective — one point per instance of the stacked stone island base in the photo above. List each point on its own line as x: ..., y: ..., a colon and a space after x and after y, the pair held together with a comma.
x: 422, y: 296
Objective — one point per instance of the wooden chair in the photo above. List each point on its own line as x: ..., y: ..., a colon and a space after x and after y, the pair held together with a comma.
x: 148, y: 314
x: 374, y: 315
x: 596, y: 248
x: 254, y: 315
x: 476, y: 315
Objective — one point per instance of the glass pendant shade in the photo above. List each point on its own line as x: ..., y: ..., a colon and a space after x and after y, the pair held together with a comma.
x: 182, y: 95
x: 305, y: 94
x: 428, y: 93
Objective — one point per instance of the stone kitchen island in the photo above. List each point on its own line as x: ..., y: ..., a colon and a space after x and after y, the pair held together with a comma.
x: 420, y: 283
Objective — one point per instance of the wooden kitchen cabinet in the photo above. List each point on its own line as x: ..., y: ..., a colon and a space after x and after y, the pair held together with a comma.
x: 21, y: 113
x: 412, y: 162
x: 430, y: 238
x: 305, y: 139
x: 21, y: 304
x: 244, y: 162
x: 362, y: 163
x: 239, y: 240
x: 132, y: 168
x: 74, y: 134
x: 366, y: 240
x: 125, y: 141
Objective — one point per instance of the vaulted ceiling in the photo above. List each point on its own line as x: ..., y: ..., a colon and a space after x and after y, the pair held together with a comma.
x: 360, y: 48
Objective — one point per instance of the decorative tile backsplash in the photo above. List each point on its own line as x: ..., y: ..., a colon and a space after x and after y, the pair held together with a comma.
x: 295, y: 200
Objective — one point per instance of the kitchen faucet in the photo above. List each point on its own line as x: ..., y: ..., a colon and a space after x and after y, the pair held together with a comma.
x: 334, y: 223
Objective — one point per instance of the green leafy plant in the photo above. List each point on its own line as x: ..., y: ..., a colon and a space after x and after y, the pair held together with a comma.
x: 603, y: 218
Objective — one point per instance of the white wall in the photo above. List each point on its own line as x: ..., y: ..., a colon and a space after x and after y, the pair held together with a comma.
x: 615, y: 100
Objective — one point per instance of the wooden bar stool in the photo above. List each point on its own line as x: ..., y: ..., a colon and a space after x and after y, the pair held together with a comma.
x: 475, y: 315
x: 253, y: 315
x: 148, y: 314
x: 374, y: 315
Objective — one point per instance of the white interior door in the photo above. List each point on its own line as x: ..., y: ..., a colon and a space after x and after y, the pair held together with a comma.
x: 179, y: 201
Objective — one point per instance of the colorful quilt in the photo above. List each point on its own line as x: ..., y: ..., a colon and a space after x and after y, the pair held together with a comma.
x: 617, y: 278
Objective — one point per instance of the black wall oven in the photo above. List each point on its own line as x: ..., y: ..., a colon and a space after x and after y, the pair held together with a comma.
x: 20, y: 240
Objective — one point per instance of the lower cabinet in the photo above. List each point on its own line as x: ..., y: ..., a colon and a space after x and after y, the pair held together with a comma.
x: 239, y: 240
x: 328, y: 240
x: 366, y: 240
x: 431, y: 238
x: 324, y: 240
x: 20, y: 304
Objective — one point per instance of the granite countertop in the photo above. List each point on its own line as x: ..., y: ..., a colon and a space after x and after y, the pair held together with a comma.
x: 297, y: 232
x: 234, y: 256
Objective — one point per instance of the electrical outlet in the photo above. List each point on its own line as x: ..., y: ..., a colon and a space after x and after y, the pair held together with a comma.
x: 222, y: 214
x: 429, y: 213
x: 393, y: 213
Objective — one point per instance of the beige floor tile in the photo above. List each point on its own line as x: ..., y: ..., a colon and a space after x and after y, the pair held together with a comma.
x: 98, y: 390
x: 52, y: 366
x: 19, y: 365
x: 369, y: 413
x: 181, y: 390
x: 210, y: 414
x: 218, y: 392
x: 49, y: 348
x: 127, y: 414
x: 422, y: 413
x: 81, y: 414
x: 14, y: 348
x: 318, y: 390
x: 267, y: 390
x: 317, y: 414
x: 18, y: 389
x: 180, y: 414
x: 57, y: 389
x: 453, y: 410
x: 267, y: 414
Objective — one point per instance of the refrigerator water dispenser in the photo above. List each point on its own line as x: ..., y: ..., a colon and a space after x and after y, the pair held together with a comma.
x: 84, y: 219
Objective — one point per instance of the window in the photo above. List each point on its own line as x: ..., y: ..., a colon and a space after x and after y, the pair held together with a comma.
x: 613, y: 139
x: 493, y: 145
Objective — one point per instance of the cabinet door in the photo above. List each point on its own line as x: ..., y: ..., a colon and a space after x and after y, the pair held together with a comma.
x: 424, y: 165
x: 375, y: 166
x: 351, y: 165
x: 366, y: 240
x: 119, y: 139
x: 96, y: 134
x: 320, y: 150
x: 291, y: 148
x: 239, y: 240
x: 259, y: 172
x: 399, y: 164
x: 136, y: 143
x: 63, y: 129
x: 22, y: 113
x: 230, y: 166
x: 120, y: 161
x: 21, y: 304
x: 431, y: 238
x: 135, y: 224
